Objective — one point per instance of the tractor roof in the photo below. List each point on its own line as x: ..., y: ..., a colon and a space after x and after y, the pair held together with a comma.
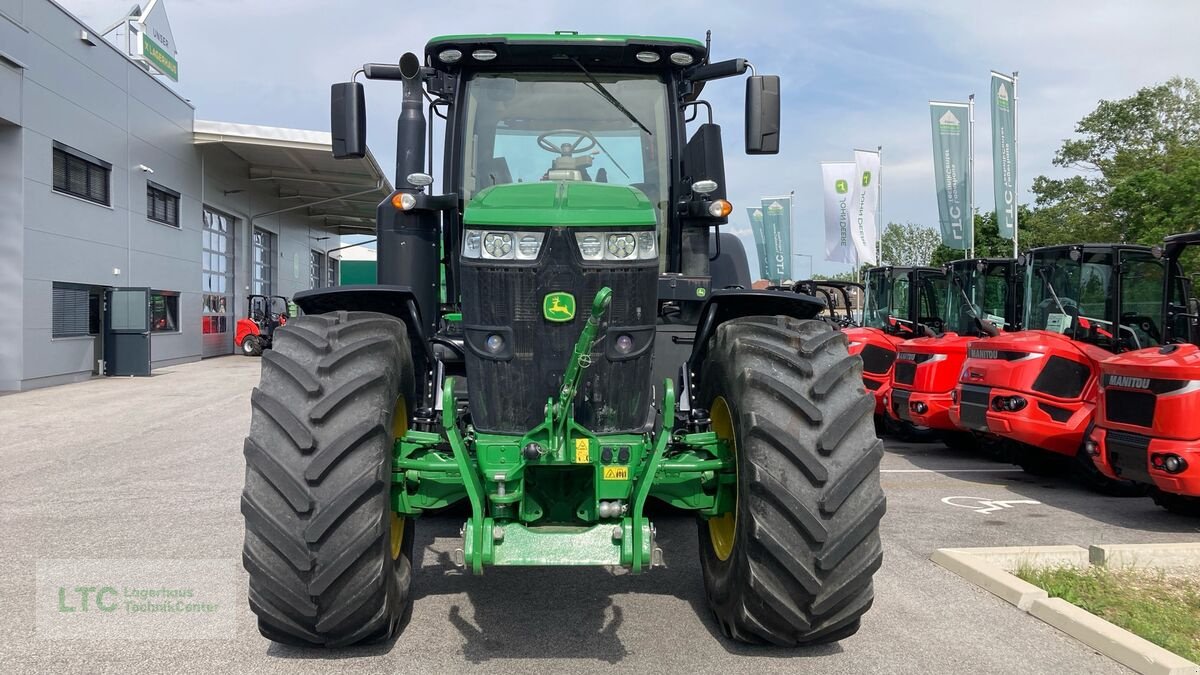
x: 551, y: 49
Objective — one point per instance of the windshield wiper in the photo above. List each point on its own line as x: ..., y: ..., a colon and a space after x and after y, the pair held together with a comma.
x: 609, y: 97
x: 1049, y: 286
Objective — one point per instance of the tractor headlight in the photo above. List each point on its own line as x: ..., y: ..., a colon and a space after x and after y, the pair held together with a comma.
x: 502, y: 245
x: 617, y: 245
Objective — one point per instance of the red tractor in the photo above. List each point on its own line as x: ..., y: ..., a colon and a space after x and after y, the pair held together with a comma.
x: 1148, y: 421
x: 1037, y: 388
x: 983, y: 298
x: 901, y: 303
x: 265, y: 315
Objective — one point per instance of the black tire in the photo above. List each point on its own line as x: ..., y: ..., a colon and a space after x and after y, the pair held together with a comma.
x: 318, y: 474
x: 1175, y: 503
x: 907, y: 432
x: 806, y: 535
x: 960, y: 441
x: 251, y: 346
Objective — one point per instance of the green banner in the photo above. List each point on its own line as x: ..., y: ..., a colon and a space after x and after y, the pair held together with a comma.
x: 760, y: 242
x: 951, y: 169
x: 1004, y: 152
x: 159, y: 58
x: 777, y: 235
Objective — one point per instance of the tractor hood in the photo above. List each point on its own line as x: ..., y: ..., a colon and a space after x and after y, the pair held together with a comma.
x: 561, y: 204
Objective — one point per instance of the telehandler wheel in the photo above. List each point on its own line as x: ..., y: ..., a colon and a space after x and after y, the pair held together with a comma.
x: 1181, y: 504
x: 330, y: 563
x: 252, y: 346
x: 793, y: 563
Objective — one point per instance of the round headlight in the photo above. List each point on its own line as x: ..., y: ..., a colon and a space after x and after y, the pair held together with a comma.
x: 449, y: 56
x: 682, y: 58
x: 621, y: 245
x: 647, y: 243
x: 497, y: 244
x: 589, y: 246
x: 624, y: 344
x: 529, y: 245
x: 494, y: 343
x: 471, y: 244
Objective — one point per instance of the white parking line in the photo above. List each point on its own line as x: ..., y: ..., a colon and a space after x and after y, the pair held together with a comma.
x: 1014, y: 469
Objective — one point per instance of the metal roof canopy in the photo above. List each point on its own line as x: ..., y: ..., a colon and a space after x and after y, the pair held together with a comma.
x: 340, y: 195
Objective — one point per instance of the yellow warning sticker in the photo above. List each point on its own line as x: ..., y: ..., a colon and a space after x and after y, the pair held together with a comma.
x: 616, y: 473
x: 581, y: 451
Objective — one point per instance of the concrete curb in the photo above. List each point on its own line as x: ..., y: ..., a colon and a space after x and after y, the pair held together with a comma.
x: 989, y: 568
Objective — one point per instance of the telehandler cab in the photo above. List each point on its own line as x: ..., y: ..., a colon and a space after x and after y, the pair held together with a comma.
x: 584, y: 356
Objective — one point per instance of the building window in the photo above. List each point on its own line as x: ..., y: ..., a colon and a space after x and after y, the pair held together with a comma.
x: 333, y: 272
x: 164, y: 312
x: 81, y: 175
x: 316, y: 268
x: 264, y: 259
x: 162, y: 205
x: 71, y: 311
x: 216, y: 270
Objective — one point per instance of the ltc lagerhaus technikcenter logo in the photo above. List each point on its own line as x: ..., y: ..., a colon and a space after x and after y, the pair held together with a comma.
x: 558, y: 306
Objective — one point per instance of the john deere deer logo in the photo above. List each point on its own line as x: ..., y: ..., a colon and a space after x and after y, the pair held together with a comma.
x: 558, y: 306
x: 841, y: 186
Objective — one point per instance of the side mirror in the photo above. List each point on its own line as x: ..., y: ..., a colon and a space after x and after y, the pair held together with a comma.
x: 762, y: 115
x: 348, y: 120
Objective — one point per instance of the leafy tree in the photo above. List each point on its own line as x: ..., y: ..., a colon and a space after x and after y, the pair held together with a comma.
x: 908, y: 245
x: 1139, y: 159
x: 988, y: 243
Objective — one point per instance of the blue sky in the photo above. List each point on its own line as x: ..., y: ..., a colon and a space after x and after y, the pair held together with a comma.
x: 857, y: 73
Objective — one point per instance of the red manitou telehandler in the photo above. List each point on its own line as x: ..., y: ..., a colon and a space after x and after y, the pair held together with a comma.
x: 1148, y: 421
x: 255, y: 331
x: 901, y: 303
x: 1037, y: 388
x: 983, y: 298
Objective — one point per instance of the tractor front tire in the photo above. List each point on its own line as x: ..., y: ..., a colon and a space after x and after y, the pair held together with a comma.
x: 252, y: 346
x: 330, y: 563
x: 795, y: 564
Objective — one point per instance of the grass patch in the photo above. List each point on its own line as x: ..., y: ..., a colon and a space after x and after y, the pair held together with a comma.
x: 1162, y: 607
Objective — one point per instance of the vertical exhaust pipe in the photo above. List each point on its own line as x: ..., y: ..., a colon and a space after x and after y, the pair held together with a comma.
x: 408, y: 246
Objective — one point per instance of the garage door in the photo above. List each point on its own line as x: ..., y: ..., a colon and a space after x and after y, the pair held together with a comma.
x: 217, y: 320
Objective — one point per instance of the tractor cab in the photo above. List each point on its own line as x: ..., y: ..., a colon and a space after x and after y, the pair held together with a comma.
x: 843, y: 299
x: 255, y: 331
x: 983, y: 298
x: 1148, y: 415
x: 901, y: 303
x: 1037, y: 388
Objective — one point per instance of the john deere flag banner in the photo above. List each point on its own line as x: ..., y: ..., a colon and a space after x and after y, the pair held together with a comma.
x: 864, y: 225
x: 760, y: 241
x: 836, y: 181
x: 777, y: 236
x: 1004, y: 152
x: 951, y: 162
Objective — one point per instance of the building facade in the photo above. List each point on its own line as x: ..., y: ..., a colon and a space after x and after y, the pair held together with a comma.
x: 107, y: 181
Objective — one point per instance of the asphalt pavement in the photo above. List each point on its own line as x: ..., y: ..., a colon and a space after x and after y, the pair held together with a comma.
x: 152, y: 468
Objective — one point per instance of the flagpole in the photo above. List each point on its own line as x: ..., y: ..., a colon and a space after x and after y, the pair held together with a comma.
x: 879, y: 212
x: 1016, y: 193
x: 971, y: 171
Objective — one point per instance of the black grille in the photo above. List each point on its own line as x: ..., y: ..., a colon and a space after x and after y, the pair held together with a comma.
x: 508, y: 393
x: 906, y: 372
x: 1129, y: 407
x: 877, y: 359
x: 1061, y: 377
x: 900, y: 403
x: 872, y: 384
x: 1128, y: 454
x: 973, y: 406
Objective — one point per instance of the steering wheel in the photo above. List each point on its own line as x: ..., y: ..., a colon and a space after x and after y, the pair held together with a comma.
x: 567, y: 149
x: 1143, y: 323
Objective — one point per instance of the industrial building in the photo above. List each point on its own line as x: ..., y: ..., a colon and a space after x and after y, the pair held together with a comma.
x: 109, y: 182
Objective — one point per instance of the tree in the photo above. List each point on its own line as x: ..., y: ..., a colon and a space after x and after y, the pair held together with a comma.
x: 1139, y: 159
x: 988, y: 243
x: 908, y: 245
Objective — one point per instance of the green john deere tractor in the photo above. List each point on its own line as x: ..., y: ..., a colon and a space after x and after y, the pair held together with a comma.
x: 558, y: 335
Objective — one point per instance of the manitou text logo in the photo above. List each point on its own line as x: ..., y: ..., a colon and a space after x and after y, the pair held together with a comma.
x: 1128, y: 382
x: 558, y: 306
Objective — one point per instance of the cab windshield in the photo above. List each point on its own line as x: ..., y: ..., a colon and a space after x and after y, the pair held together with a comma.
x: 977, y: 291
x: 526, y: 127
x: 1075, y: 293
x: 884, y: 291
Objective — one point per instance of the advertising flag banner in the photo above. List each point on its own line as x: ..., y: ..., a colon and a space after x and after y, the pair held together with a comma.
x: 777, y: 235
x: 760, y: 242
x: 864, y: 222
x: 1004, y: 152
x: 951, y: 169
x: 837, y: 179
